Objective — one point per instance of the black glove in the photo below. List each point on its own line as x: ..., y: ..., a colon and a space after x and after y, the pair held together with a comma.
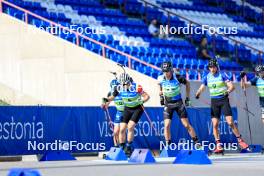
x: 105, y: 100
x: 162, y: 101
x: 226, y: 94
x: 187, y: 102
x: 242, y: 74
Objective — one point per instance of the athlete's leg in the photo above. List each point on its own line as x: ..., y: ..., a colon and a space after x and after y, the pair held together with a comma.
x: 230, y: 122
x: 219, y: 148
x: 189, y: 127
x: 116, y: 134
x: 167, y: 126
x: 182, y: 113
x: 229, y: 119
x: 118, y: 118
x: 123, y: 126
x: 167, y: 115
x: 122, y: 133
x: 136, y: 115
x: 215, y: 122
x: 130, y: 131
x: 137, y: 112
x: 241, y: 142
x: 228, y: 115
x: 216, y: 115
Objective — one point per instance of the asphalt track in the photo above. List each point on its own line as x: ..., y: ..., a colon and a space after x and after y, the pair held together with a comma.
x: 227, y: 165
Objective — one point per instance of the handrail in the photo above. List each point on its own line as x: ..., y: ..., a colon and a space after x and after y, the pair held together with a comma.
x: 245, y: 5
x: 78, y: 35
x: 253, y: 5
x: 193, y: 22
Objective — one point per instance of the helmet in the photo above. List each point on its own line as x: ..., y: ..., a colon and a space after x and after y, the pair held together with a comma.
x: 125, y: 79
x: 213, y: 63
x: 166, y: 66
x: 259, y: 68
x: 113, y: 83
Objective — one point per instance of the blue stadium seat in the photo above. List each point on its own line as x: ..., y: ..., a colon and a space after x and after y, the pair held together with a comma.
x: 182, y: 52
x: 180, y: 64
x: 188, y: 63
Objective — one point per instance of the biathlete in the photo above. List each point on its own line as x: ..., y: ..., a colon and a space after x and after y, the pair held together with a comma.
x: 258, y: 81
x: 170, y: 96
x: 133, y: 97
x: 220, y: 87
x: 119, y: 111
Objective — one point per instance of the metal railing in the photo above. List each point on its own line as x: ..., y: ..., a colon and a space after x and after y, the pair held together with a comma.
x: 77, y: 35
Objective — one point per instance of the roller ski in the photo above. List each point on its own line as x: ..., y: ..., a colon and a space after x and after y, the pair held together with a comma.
x: 218, y: 151
x: 244, y: 147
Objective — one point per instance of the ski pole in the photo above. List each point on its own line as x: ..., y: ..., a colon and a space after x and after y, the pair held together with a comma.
x: 151, y: 124
x: 108, y: 119
x: 245, y: 108
x: 249, y: 126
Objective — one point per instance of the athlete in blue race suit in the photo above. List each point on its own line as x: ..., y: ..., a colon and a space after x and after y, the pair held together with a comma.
x: 170, y: 94
x: 220, y: 87
x: 119, y: 111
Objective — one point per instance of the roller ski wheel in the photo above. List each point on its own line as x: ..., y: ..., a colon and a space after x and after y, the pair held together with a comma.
x: 246, y: 150
x: 243, y: 145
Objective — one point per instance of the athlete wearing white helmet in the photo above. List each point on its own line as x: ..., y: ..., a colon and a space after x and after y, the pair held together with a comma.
x: 133, y: 97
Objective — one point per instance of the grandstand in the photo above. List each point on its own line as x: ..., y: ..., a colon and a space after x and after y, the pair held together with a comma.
x: 126, y: 22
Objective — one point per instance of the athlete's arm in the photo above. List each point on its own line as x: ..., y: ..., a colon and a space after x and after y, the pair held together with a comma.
x: 160, y: 86
x: 229, y: 83
x: 111, y: 98
x: 184, y: 81
x: 202, y: 87
x: 107, y: 101
x: 230, y: 87
x: 145, y: 96
x: 161, y: 93
x: 244, y: 84
x: 200, y: 90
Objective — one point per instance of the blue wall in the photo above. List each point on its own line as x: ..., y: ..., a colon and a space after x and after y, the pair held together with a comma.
x: 29, y: 129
